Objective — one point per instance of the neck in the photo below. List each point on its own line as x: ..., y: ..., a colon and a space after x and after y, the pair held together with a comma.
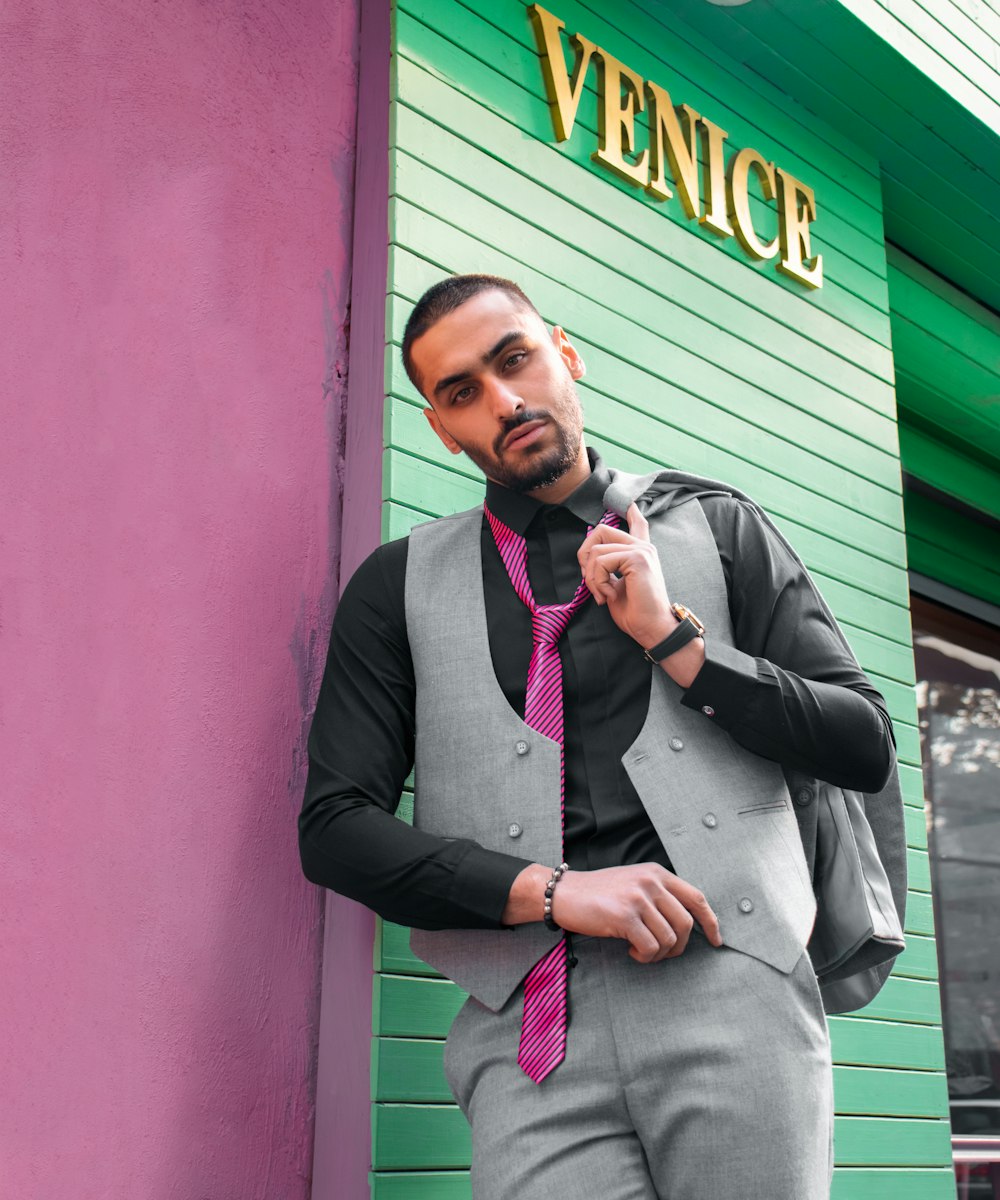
x: 565, y: 485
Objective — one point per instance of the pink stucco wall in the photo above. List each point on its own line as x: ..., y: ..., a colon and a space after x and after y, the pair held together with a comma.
x: 175, y: 232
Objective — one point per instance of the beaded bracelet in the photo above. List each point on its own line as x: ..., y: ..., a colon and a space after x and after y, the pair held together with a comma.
x: 550, y: 887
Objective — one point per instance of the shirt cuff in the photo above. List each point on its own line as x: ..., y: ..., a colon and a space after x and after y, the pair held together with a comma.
x: 482, y: 883
x: 724, y: 689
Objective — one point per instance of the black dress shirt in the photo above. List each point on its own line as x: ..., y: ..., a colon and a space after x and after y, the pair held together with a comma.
x: 788, y: 691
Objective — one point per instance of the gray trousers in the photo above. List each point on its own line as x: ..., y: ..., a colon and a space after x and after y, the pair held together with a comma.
x: 703, y: 1077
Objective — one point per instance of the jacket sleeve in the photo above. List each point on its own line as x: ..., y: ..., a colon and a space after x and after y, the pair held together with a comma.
x: 360, y: 750
x: 791, y: 689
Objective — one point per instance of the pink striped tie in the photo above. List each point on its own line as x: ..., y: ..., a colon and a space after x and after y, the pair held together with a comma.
x: 543, y: 1025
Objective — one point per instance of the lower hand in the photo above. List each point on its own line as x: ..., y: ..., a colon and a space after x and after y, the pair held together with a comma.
x: 646, y: 905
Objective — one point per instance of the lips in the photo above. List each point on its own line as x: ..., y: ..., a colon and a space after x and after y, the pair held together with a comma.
x: 522, y: 433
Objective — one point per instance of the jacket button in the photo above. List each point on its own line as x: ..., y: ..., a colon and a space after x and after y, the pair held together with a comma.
x: 514, y: 830
x: 708, y: 710
x: 710, y: 819
x: 676, y: 744
x: 521, y: 747
x: 803, y: 796
x: 745, y: 905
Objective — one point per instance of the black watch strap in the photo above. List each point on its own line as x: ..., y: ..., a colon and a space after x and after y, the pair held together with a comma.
x: 685, y: 632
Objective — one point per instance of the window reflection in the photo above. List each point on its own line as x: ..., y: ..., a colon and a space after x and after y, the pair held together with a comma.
x: 958, y: 693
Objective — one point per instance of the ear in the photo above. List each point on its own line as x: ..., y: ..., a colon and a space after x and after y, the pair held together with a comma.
x: 435, y: 423
x: 568, y: 353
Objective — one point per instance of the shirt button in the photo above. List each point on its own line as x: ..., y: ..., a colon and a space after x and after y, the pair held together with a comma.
x: 676, y: 744
x: 521, y: 747
x: 514, y: 830
x: 803, y: 796
x: 708, y: 710
x: 710, y: 819
x: 745, y: 905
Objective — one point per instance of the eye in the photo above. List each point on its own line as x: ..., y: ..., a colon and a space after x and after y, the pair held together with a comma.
x: 512, y: 360
x: 462, y: 394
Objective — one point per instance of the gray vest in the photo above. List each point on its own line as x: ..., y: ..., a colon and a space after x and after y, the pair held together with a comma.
x: 724, y: 815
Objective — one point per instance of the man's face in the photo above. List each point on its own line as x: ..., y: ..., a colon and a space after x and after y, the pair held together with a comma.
x: 501, y: 389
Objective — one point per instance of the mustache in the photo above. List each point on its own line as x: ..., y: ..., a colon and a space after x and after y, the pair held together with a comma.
x: 510, y: 425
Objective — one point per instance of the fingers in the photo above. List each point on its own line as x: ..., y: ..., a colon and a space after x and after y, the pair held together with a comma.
x: 667, y: 922
x: 701, y: 911
x: 638, y: 526
x: 603, y: 560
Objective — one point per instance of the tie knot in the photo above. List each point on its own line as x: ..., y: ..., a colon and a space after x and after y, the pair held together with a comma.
x: 549, y: 621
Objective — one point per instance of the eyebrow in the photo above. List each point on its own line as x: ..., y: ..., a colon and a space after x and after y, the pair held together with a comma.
x: 495, y: 351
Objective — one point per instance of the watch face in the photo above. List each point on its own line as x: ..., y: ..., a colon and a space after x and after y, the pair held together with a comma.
x: 682, y: 612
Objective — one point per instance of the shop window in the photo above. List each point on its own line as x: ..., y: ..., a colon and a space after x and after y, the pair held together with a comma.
x: 958, y: 693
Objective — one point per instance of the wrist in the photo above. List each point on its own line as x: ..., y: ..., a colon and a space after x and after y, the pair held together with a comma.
x: 526, y: 901
x: 550, y: 888
x: 654, y: 633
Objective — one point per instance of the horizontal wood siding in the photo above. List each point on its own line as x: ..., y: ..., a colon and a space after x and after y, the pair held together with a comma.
x: 697, y: 358
x: 914, y: 81
x: 947, y: 360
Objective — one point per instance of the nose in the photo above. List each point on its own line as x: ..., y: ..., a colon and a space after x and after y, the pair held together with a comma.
x: 505, y: 403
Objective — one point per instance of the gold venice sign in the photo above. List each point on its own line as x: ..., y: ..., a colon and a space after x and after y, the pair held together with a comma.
x: 673, y: 143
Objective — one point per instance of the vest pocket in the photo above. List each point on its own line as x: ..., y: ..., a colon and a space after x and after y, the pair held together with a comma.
x: 770, y: 806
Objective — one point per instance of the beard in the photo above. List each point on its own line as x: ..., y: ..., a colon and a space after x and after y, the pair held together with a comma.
x: 534, y: 467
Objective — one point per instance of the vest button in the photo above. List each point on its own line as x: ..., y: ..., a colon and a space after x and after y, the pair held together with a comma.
x: 710, y: 819
x: 514, y: 830
x: 676, y: 744
x: 745, y: 905
x: 708, y: 710
x: 521, y: 747
x: 803, y: 796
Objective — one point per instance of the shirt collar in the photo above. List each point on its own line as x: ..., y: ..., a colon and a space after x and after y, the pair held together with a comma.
x: 517, y: 510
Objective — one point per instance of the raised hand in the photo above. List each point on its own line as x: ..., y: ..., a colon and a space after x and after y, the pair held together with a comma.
x: 622, y: 571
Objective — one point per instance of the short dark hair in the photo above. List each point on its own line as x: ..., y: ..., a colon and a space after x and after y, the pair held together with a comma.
x: 444, y: 297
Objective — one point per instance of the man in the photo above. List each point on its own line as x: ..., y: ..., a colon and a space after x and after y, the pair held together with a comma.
x: 604, y: 851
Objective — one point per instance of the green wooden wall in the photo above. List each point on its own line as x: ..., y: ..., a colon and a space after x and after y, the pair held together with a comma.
x: 696, y: 358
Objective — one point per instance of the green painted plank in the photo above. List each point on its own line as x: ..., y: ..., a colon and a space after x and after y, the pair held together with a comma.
x: 858, y: 1090
x: 423, y: 1185
x: 447, y: 118
x: 903, y: 999
x: 943, y: 311
x: 892, y: 1142
x: 946, y: 468
x: 918, y: 872
x: 916, y: 827
x: 418, y: 1008
x: 946, y: 545
x: 393, y: 953
x: 919, y: 959
x: 408, y: 1070
x: 869, y: 1043
x: 881, y: 1184
x: 415, y: 1136
x: 919, y: 913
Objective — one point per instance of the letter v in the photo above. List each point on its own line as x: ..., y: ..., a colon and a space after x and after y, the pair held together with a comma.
x: 564, y: 97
